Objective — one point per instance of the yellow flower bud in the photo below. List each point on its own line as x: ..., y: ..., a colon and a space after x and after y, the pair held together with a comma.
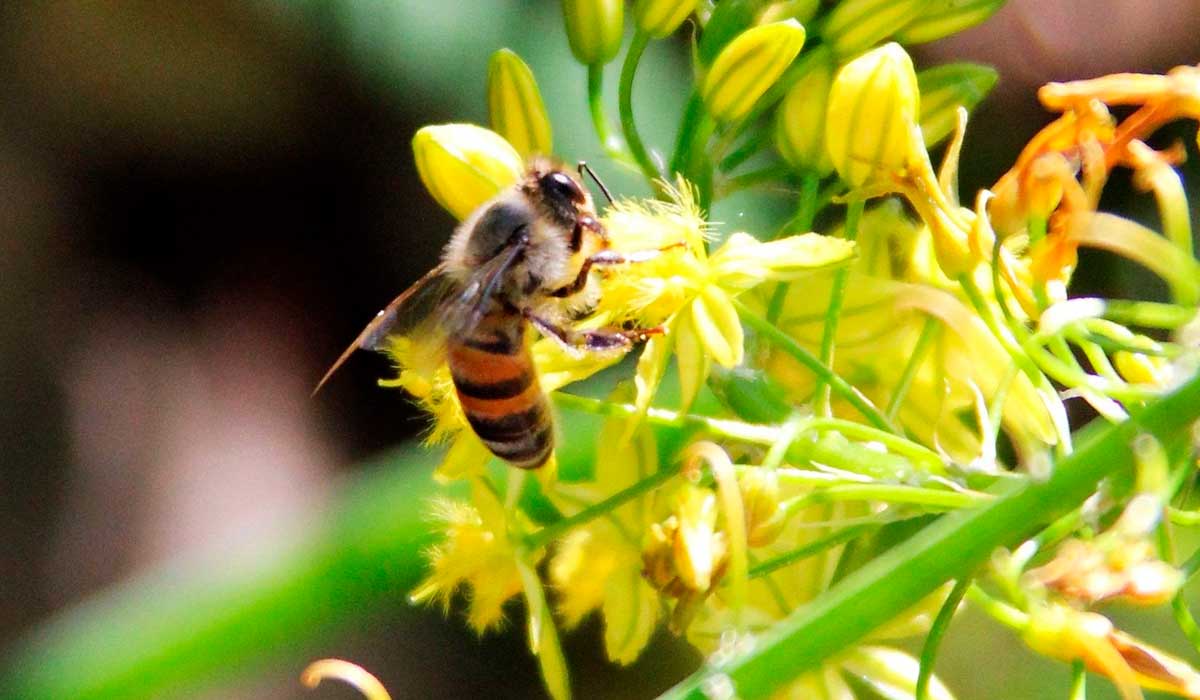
x: 800, y: 119
x: 463, y: 165
x: 946, y: 88
x: 659, y: 18
x: 760, y: 503
x: 1139, y: 368
x: 698, y: 547
x: 748, y: 66
x: 799, y: 10
x: 594, y: 29
x: 945, y: 17
x: 856, y: 25
x: 515, y: 105
x: 873, y: 107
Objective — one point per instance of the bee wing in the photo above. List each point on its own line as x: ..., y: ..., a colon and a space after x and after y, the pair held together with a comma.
x: 464, y: 311
x: 407, y: 311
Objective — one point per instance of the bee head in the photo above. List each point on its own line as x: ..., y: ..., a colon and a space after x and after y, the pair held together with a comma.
x: 559, y: 195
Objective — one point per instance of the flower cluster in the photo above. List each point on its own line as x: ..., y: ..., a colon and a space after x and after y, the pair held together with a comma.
x: 809, y: 394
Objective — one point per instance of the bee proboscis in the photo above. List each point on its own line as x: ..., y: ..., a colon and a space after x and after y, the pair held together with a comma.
x: 507, y: 266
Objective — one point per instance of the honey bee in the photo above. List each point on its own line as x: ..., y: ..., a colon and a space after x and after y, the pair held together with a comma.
x: 507, y: 266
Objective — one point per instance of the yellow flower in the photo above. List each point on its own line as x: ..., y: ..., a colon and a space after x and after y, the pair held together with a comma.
x: 476, y: 552
x: 800, y: 119
x: 659, y: 18
x: 594, y: 29
x: 748, y: 66
x: 689, y: 292
x: 463, y: 165
x: 856, y: 25
x: 1060, y: 632
x: 598, y: 566
x: 873, y: 109
x: 515, y: 105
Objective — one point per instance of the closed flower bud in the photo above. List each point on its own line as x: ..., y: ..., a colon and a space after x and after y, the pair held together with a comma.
x: 856, y: 25
x: 515, y: 105
x: 659, y: 18
x: 800, y: 119
x: 945, y: 17
x: 946, y: 88
x: 760, y: 503
x: 594, y: 29
x: 799, y: 10
x: 873, y: 107
x: 463, y: 165
x: 1139, y: 368
x: 748, y: 66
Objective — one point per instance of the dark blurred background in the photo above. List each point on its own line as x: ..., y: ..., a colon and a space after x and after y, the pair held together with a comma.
x: 202, y: 202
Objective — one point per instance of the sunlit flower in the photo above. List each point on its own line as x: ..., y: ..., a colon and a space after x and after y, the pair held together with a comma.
x: 463, y: 165
x: 475, y: 552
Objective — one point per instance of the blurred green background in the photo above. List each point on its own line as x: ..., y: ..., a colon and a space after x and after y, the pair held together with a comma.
x: 201, y: 202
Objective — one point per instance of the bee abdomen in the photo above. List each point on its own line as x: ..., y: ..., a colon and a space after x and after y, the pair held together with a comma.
x: 502, y: 401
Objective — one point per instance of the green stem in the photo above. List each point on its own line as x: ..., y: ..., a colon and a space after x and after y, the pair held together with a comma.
x: 951, y: 547
x: 833, y: 313
x: 891, y: 493
x: 1078, y: 681
x: 812, y: 548
x: 999, y: 611
x: 934, y: 639
x: 822, y: 371
x: 929, y: 332
x: 806, y: 211
x: 625, y: 102
x: 595, y: 87
x: 1148, y: 314
x: 553, y: 531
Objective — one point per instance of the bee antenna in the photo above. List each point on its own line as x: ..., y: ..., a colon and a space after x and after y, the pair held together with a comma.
x: 584, y: 168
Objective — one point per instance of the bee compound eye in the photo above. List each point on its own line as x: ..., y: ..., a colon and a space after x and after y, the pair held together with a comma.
x: 563, y: 186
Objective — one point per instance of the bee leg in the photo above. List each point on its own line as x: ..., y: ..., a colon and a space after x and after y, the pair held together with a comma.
x: 594, y: 341
x: 609, y: 257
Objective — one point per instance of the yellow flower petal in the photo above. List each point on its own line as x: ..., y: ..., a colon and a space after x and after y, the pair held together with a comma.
x: 744, y: 262
x: 873, y: 107
x: 463, y: 165
x: 718, y: 327
x: 748, y: 66
x: 630, y: 615
x: 515, y: 105
x: 856, y: 25
x: 594, y: 29
x: 693, y: 362
x: 800, y: 118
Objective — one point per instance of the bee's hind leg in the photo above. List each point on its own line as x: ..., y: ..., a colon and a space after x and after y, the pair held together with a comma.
x: 592, y: 341
x: 609, y: 257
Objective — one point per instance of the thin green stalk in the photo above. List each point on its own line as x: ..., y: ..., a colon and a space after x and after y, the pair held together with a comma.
x: 806, y: 211
x: 625, y: 104
x: 812, y: 548
x: 744, y: 181
x: 938, y: 499
x: 553, y: 531
x: 752, y: 145
x: 719, y: 427
x: 950, y: 547
x: 1148, y: 314
x: 833, y: 312
x: 595, y: 87
x: 937, y: 630
x: 822, y: 371
x: 1078, y: 681
x: 999, y: 611
x: 929, y: 331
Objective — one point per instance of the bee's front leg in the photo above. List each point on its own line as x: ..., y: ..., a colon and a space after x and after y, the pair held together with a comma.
x: 609, y: 257
x: 593, y: 341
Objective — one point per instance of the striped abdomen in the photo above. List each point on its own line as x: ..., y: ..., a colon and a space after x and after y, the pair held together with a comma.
x: 498, y: 389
